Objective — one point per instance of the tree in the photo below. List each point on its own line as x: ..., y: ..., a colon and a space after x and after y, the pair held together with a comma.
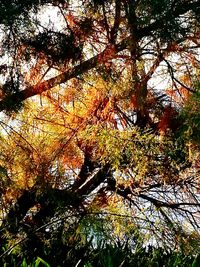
x: 101, y: 140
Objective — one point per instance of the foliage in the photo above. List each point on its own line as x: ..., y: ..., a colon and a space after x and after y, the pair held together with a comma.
x: 99, y: 140
x: 190, y: 116
x: 115, y: 256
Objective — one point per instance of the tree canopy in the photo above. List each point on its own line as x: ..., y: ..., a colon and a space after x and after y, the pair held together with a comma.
x: 100, y: 126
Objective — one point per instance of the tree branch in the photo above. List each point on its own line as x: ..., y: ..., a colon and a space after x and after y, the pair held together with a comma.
x: 63, y: 77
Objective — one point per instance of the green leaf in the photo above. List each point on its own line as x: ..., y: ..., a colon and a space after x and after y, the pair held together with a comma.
x: 196, y: 262
x: 39, y: 260
x: 24, y: 264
